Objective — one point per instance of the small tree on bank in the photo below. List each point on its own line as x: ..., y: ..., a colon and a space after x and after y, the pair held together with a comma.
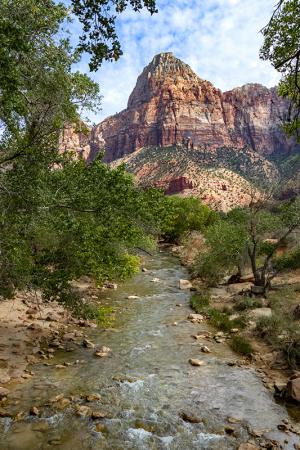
x: 245, y: 233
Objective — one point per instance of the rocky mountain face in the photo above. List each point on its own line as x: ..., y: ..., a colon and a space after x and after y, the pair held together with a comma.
x: 181, y: 133
x: 171, y: 105
x: 223, y: 179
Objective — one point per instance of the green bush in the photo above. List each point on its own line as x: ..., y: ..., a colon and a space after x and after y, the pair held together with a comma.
x: 240, y: 345
x: 289, y: 261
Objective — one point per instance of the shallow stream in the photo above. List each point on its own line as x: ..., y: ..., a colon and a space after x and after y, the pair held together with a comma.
x: 147, y: 383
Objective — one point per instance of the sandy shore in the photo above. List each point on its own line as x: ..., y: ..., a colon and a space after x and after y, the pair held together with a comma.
x: 26, y: 322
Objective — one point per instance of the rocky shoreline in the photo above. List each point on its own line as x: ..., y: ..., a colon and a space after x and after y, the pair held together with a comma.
x: 269, y: 363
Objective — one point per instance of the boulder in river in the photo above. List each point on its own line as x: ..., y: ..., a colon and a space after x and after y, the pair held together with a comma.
x: 293, y: 390
x: 185, y: 284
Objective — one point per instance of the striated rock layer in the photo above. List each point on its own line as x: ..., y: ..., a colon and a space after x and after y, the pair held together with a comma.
x: 171, y: 105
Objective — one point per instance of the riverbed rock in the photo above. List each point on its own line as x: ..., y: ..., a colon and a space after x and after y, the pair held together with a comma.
x: 34, y: 411
x: 196, y: 318
x: 102, y: 352
x: 248, y: 446
x: 196, y: 362
x: 63, y: 403
x: 190, y: 418
x: 82, y: 410
x: 88, y: 344
x: 98, y: 415
x: 205, y: 349
x: 293, y: 390
x: 3, y: 392
x: 185, y: 284
x: 93, y: 397
x: 56, y: 398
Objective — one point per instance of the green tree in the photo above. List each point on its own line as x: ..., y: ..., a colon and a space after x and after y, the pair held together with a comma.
x: 282, y: 48
x: 186, y: 214
x: 59, y: 218
x: 98, y: 19
x: 225, y: 240
x: 246, y: 232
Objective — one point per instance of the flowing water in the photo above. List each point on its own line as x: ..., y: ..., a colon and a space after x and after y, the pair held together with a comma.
x: 146, y: 382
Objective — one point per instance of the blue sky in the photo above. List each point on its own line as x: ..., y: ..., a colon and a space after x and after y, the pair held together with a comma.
x: 219, y: 39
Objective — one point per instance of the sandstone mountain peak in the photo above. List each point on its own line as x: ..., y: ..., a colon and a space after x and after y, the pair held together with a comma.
x: 164, y: 70
x: 171, y: 106
x: 167, y: 64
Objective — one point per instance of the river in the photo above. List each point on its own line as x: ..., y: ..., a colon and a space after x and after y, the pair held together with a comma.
x: 146, y: 383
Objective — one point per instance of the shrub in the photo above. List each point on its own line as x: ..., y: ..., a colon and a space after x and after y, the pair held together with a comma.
x: 289, y: 261
x: 269, y: 327
x: 240, y: 345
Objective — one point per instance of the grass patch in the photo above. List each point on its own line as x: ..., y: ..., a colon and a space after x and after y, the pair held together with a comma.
x: 221, y: 320
x: 101, y: 314
x: 248, y: 303
x: 240, y: 345
x: 200, y: 303
x: 270, y: 327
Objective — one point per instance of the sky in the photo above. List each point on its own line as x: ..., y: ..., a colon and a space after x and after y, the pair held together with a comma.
x: 219, y: 39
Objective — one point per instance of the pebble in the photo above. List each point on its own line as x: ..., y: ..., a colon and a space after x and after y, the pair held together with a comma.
x: 196, y: 362
x: 92, y: 397
x: 81, y: 410
x: 190, y: 418
x: 98, y: 415
x: 205, y: 349
x: 34, y: 411
x: 88, y: 344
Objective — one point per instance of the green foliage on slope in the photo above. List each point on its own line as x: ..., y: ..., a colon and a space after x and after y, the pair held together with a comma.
x: 59, y: 218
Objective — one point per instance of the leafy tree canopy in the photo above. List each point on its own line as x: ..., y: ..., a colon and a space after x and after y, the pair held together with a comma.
x: 59, y: 218
x: 98, y: 18
x: 282, y: 48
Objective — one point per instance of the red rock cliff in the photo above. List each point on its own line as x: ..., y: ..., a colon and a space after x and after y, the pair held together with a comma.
x: 170, y: 105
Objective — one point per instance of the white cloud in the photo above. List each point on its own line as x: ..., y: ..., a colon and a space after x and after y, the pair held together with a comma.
x: 220, y: 39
